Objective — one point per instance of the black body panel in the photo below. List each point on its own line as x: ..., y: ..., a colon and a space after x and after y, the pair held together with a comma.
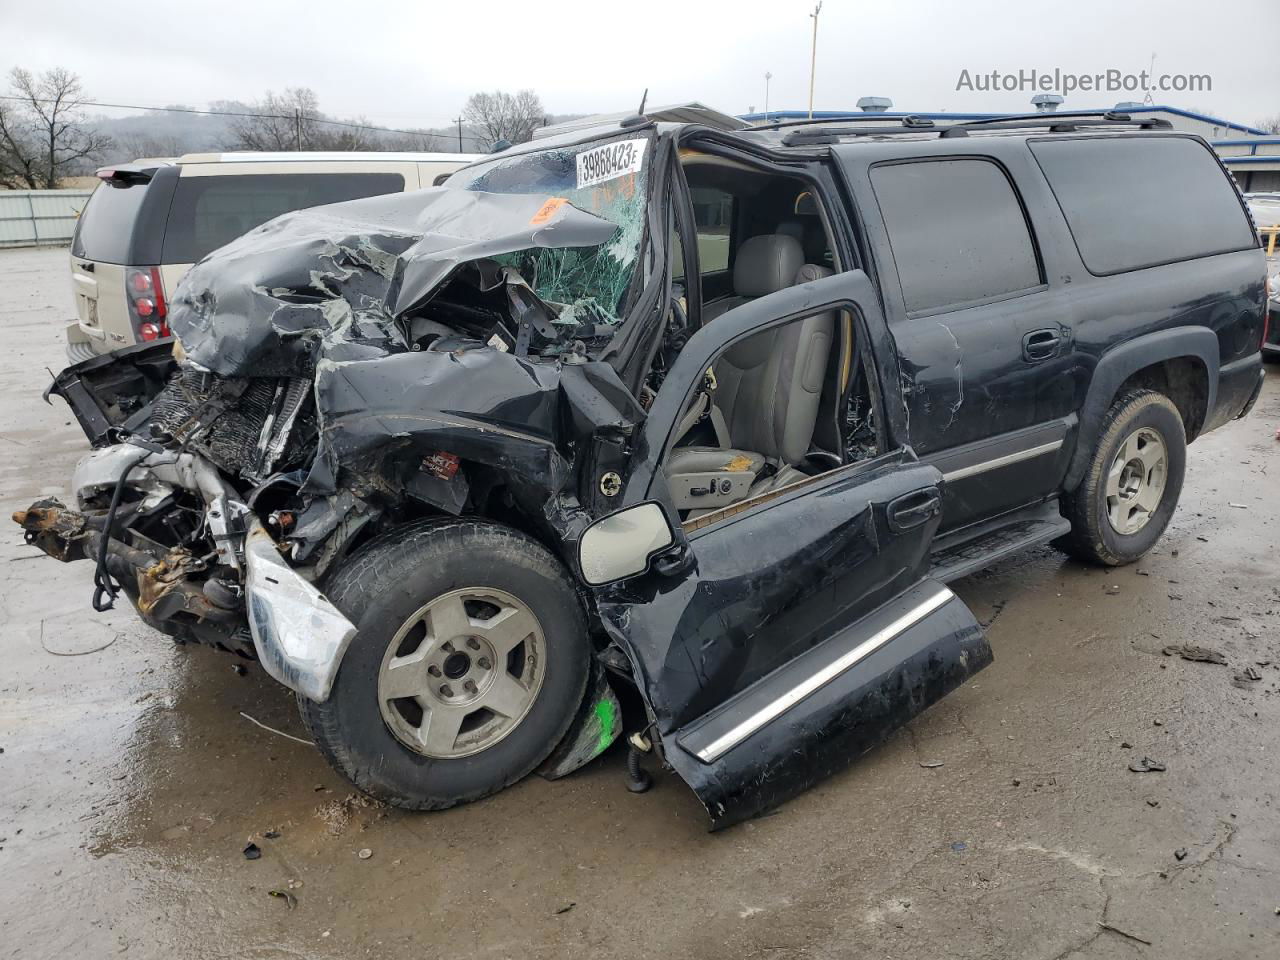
x: 989, y: 371
x: 824, y: 731
x: 767, y: 585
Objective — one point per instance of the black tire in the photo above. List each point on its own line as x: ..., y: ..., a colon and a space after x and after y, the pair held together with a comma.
x: 1092, y: 537
x: 378, y: 589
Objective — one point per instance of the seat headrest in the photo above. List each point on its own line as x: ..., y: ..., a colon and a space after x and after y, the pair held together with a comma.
x: 811, y: 271
x: 766, y: 264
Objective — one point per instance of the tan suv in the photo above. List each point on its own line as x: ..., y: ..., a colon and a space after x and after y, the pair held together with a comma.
x: 150, y: 220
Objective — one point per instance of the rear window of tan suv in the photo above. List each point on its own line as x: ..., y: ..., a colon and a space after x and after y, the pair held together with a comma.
x: 105, y: 228
x: 210, y: 212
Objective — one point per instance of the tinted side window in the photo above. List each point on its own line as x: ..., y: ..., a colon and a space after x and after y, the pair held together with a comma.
x: 106, y: 225
x: 957, y: 231
x: 713, y: 218
x: 209, y: 212
x: 1135, y: 202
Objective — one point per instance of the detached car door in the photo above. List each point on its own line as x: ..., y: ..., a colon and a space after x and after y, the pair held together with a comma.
x: 777, y: 643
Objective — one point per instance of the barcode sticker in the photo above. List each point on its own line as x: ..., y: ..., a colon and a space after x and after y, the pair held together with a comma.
x: 610, y: 161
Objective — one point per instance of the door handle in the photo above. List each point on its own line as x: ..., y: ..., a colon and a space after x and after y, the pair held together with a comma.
x: 1040, y: 345
x: 913, y: 509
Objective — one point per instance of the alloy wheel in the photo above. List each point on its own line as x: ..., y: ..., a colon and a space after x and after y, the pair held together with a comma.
x: 1136, y: 481
x: 462, y: 672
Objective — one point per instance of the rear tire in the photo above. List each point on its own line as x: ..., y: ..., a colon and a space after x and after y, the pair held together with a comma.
x: 404, y: 593
x: 1132, y: 483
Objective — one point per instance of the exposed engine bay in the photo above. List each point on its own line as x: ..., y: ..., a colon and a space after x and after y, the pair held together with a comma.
x: 336, y: 372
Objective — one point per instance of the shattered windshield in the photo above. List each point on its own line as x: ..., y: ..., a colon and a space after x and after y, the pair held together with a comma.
x: 606, y: 178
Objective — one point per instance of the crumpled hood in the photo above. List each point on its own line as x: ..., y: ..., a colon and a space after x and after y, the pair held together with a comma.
x: 305, y: 285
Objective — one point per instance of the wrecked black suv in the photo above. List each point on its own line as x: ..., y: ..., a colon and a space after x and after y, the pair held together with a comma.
x: 688, y: 421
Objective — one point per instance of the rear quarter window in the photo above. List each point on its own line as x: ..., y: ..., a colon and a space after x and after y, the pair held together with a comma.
x: 1135, y: 202
x: 105, y: 228
x: 210, y: 212
x: 957, y: 230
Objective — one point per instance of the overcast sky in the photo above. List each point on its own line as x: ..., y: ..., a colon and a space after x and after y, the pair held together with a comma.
x: 414, y: 63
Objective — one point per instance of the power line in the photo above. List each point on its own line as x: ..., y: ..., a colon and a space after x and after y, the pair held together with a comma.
x: 234, y: 113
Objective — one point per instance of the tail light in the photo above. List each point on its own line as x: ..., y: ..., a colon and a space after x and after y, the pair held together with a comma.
x: 147, y: 305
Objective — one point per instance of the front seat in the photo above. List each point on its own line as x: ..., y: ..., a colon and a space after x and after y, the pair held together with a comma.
x: 765, y: 404
x: 764, y: 264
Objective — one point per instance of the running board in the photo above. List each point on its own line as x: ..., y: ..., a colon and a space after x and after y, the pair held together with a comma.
x: 983, y: 544
x: 815, y: 715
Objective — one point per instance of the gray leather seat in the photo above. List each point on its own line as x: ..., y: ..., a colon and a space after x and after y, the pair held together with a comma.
x: 768, y: 390
x: 764, y: 264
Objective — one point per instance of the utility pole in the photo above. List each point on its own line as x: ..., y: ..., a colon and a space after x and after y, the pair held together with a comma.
x: 458, y: 121
x: 297, y: 129
x: 813, y: 58
x: 767, y: 77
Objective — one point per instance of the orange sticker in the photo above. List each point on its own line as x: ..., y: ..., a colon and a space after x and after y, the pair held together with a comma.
x: 547, y: 211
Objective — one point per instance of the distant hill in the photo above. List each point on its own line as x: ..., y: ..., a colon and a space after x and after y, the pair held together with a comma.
x: 158, y: 133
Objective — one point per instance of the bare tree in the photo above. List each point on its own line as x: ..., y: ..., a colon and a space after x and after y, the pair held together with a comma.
x: 425, y: 141
x: 43, y: 133
x: 283, y: 122
x: 1270, y: 124
x: 293, y: 121
x: 504, y: 116
x: 142, y: 145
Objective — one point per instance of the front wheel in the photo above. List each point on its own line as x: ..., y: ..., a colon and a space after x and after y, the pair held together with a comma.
x: 1132, y: 483
x: 469, y: 662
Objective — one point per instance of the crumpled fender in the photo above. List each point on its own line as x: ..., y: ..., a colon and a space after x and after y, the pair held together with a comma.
x: 480, y: 404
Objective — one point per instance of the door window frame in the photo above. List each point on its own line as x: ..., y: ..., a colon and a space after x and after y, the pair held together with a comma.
x: 815, y: 176
x: 851, y: 291
x: 901, y: 298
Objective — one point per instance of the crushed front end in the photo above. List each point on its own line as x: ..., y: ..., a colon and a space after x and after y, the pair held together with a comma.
x: 337, y: 373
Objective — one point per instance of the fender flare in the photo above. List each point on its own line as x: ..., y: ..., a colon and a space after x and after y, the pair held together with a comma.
x: 1118, y: 364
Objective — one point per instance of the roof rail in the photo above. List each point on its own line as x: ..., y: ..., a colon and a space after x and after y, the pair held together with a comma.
x: 821, y: 135
x: 1055, y: 122
x: 1058, y: 122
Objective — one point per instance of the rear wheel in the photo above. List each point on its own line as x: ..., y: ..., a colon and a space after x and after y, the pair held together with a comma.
x: 1132, y: 484
x: 469, y: 663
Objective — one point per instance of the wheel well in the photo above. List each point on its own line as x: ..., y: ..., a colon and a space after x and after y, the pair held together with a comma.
x: 1184, y: 380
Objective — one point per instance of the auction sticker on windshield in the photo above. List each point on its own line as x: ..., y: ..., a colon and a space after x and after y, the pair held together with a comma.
x: 610, y: 161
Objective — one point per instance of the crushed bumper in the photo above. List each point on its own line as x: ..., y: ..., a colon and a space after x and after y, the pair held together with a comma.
x: 300, y: 637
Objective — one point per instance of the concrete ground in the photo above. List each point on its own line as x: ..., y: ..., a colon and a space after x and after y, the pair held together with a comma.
x: 132, y: 776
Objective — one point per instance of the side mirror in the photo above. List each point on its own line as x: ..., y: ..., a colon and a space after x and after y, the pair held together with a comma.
x: 622, y: 544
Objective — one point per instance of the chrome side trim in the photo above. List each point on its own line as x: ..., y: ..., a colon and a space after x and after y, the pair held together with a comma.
x: 1008, y: 458
x: 770, y: 712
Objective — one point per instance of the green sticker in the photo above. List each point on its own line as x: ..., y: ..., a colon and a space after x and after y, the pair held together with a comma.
x: 607, y: 717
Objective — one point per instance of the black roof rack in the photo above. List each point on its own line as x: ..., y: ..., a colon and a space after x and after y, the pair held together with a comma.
x: 818, y: 135
x: 1059, y: 122
x: 1055, y: 122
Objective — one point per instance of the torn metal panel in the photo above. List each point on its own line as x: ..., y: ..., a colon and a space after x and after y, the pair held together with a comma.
x: 114, y: 391
x: 480, y: 404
